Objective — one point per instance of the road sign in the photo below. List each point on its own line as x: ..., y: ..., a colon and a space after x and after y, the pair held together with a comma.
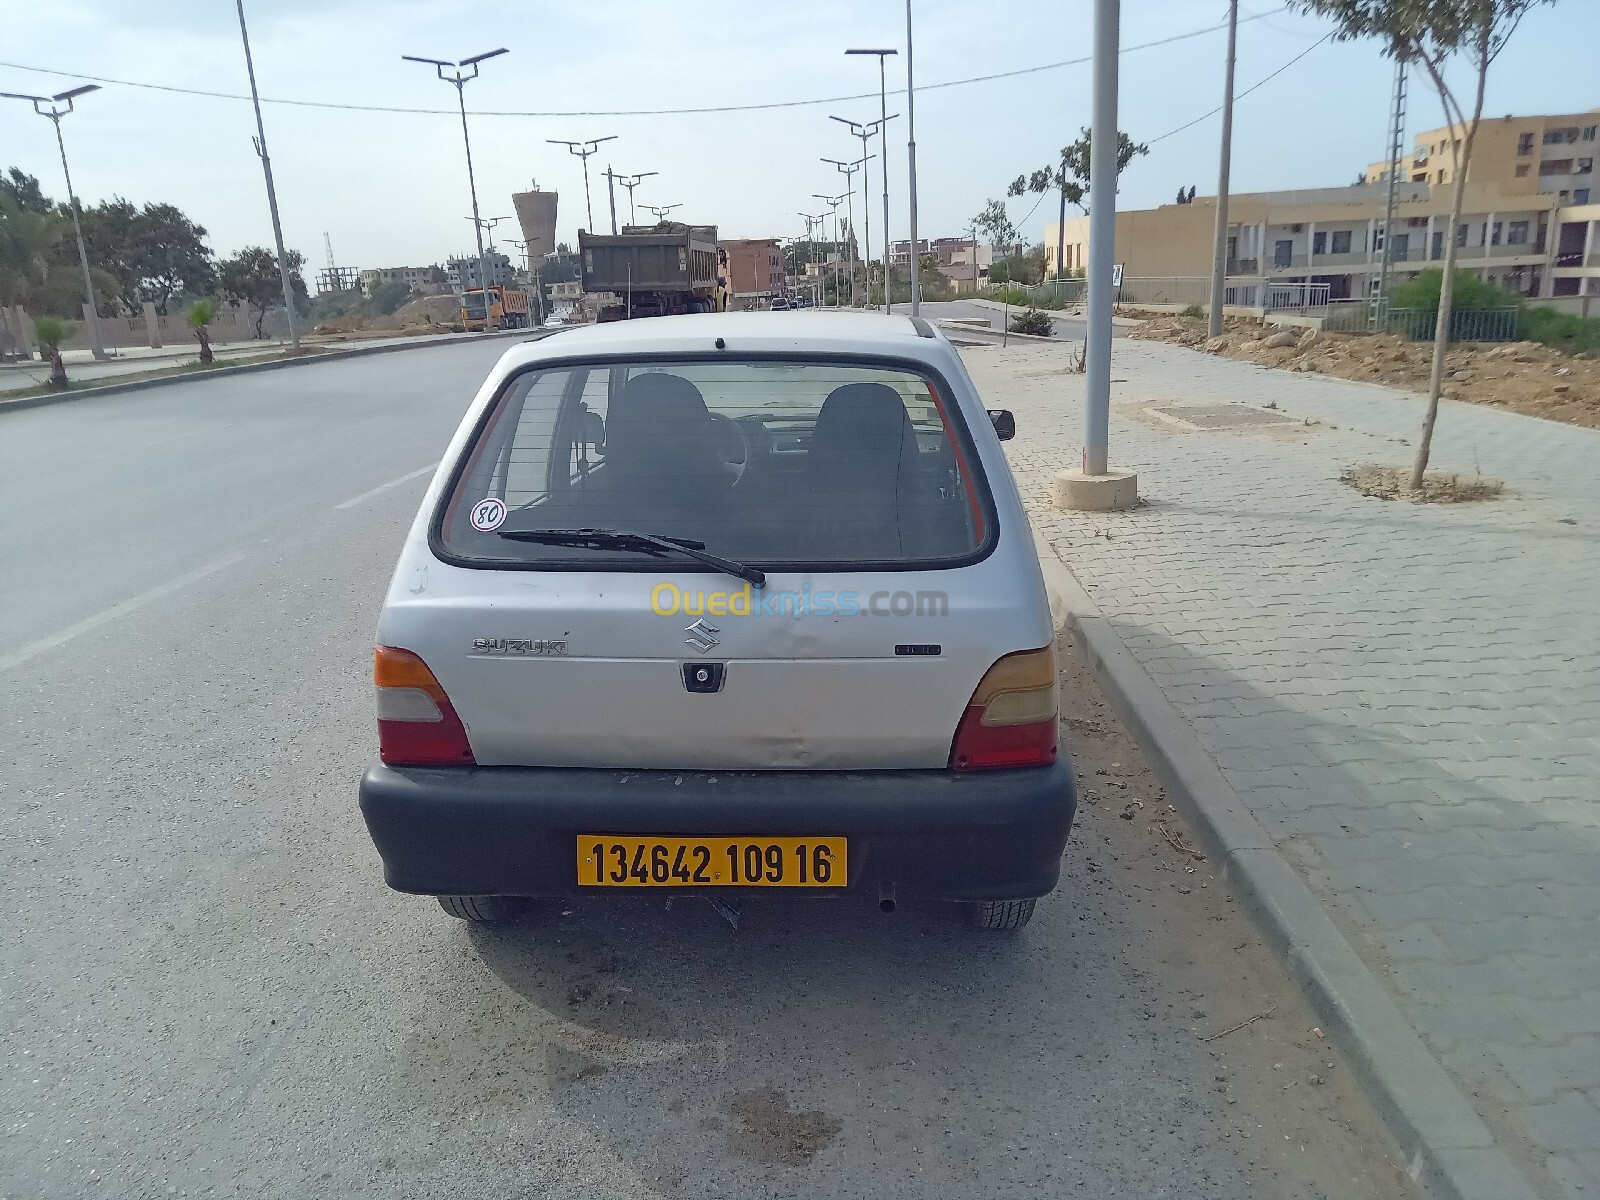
x: 1116, y: 275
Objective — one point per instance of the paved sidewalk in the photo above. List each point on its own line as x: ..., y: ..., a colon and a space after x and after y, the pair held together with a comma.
x: 1406, y: 696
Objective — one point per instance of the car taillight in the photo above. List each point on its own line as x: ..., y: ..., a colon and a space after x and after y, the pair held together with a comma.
x: 417, y: 724
x: 1011, y: 719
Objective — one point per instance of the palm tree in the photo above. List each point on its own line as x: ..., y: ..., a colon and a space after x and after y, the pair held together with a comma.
x: 201, y: 314
x: 51, y: 332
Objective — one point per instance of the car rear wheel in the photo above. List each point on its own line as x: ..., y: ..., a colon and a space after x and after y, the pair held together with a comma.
x: 476, y: 908
x: 1003, y: 914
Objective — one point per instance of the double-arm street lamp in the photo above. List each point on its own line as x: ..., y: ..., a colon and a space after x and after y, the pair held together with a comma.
x: 460, y: 80
x: 583, y: 150
x: 55, y: 112
x: 848, y: 170
x: 833, y: 203
x: 865, y: 132
x: 660, y: 211
x: 630, y: 182
x: 883, y: 151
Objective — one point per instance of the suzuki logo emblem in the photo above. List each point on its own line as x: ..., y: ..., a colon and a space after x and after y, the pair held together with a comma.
x: 702, y: 636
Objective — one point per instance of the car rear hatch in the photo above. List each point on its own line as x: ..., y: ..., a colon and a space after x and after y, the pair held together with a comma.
x: 852, y: 487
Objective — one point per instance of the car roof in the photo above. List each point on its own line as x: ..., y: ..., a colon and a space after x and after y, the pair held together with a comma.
x: 755, y: 332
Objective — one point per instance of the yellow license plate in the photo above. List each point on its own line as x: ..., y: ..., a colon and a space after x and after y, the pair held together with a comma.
x: 605, y: 860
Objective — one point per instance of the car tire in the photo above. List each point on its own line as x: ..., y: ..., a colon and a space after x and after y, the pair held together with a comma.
x: 476, y: 908
x: 1003, y: 914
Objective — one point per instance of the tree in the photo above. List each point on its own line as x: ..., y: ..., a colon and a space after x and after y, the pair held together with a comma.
x: 1430, y: 33
x: 155, y: 253
x: 201, y: 313
x: 1070, y: 177
x: 24, y: 190
x: 996, y: 223
x: 251, y: 277
x: 51, y: 332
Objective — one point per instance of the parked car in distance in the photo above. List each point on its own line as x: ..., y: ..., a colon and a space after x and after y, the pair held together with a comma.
x: 722, y: 603
x: 780, y: 304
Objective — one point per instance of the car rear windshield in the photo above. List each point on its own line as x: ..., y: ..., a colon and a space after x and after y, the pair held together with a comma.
x: 798, y: 463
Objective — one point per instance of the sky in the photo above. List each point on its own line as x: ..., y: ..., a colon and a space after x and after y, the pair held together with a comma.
x: 390, y: 188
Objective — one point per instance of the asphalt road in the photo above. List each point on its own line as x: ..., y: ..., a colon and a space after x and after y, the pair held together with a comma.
x: 205, y: 988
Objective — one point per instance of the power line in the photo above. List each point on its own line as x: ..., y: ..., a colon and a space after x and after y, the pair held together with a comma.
x: 653, y: 112
x: 1247, y: 91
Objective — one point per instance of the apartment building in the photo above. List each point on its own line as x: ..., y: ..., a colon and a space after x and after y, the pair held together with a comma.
x: 1552, y: 155
x: 464, y: 271
x: 755, y: 268
x: 1535, y: 232
x: 415, y: 278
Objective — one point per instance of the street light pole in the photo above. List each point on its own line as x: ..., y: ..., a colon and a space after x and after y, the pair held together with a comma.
x: 883, y: 151
x: 1102, y: 237
x: 630, y: 182
x: 55, y: 112
x: 833, y: 203
x: 583, y: 150
x: 661, y: 210
x: 849, y: 170
x: 460, y: 81
x: 272, y: 192
x: 911, y: 157
x: 1219, y: 250
x: 865, y: 132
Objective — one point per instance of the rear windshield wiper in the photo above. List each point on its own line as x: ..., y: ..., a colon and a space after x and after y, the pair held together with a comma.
x: 645, y: 543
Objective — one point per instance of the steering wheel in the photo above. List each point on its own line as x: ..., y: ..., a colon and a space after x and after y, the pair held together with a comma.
x: 735, y: 468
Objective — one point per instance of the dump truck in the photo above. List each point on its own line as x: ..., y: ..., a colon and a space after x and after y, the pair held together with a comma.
x: 508, y: 309
x: 655, y: 270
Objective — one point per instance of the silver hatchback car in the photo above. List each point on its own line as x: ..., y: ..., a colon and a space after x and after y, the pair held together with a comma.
x: 722, y: 603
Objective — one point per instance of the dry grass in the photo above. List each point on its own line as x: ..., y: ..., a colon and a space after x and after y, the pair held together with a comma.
x: 1394, y: 483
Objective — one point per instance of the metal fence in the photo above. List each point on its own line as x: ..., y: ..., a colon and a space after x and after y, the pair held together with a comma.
x: 1475, y: 325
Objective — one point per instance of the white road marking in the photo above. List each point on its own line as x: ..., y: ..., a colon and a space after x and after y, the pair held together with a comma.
x: 384, y: 487
x: 34, y: 649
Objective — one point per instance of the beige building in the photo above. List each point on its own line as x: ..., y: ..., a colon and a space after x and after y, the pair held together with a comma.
x: 415, y: 278
x: 1553, y: 155
x: 1534, y: 231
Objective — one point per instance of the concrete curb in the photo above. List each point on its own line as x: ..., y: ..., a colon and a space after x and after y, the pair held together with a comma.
x: 139, y: 385
x: 1124, y: 322
x: 1448, y: 1147
x: 953, y: 325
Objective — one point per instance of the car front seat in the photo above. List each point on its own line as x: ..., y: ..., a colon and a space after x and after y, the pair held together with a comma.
x: 862, y: 458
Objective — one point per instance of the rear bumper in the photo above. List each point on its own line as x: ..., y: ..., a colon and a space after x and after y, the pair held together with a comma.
x: 510, y: 831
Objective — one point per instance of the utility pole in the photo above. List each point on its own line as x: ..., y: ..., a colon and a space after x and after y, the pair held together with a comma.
x: 883, y: 152
x: 865, y: 132
x: 911, y: 158
x: 611, y: 196
x: 1219, y: 250
x: 272, y: 192
x: 583, y: 150
x: 55, y: 112
x: 1378, y: 308
x: 460, y: 82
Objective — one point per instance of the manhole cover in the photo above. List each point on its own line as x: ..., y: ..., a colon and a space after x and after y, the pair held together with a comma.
x: 1220, y: 416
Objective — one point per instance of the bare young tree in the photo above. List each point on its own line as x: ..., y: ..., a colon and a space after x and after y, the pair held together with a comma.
x: 1429, y: 33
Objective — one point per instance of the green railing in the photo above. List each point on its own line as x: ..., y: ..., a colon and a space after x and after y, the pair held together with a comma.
x: 1472, y: 325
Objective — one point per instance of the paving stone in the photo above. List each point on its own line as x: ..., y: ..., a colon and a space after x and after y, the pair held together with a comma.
x: 1407, y: 690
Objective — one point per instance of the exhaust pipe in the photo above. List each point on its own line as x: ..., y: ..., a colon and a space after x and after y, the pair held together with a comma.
x: 886, y: 897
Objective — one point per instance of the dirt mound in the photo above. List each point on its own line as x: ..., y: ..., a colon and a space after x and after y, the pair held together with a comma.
x: 1524, y: 377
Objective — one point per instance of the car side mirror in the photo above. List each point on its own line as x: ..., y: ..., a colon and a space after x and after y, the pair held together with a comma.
x: 1005, y: 425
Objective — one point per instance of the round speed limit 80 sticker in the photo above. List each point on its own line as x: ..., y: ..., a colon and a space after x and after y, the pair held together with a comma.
x: 488, y: 513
